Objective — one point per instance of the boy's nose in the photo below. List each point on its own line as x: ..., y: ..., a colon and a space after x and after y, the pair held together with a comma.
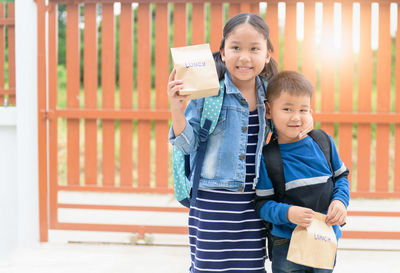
x: 295, y: 116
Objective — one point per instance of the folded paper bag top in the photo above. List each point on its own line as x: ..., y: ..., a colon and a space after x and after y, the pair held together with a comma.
x: 314, y: 246
x: 196, y: 67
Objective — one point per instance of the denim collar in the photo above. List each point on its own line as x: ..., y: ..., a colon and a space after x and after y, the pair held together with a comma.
x: 230, y: 87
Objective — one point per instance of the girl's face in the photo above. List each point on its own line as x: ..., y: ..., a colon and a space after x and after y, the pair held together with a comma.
x: 245, y: 54
x: 291, y: 114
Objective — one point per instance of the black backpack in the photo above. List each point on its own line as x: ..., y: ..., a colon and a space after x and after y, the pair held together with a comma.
x: 274, y: 165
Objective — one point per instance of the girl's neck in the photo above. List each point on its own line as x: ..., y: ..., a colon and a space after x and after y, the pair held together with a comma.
x: 245, y: 86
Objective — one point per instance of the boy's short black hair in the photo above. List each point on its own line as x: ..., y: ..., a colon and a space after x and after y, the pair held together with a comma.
x: 289, y: 81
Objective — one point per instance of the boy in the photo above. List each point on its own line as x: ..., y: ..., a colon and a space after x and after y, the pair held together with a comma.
x: 308, y: 179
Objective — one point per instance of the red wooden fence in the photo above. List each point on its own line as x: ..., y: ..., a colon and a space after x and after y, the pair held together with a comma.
x: 7, y: 24
x: 117, y: 131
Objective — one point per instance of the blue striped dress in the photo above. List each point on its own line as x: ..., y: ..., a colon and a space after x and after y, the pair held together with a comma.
x: 225, y: 233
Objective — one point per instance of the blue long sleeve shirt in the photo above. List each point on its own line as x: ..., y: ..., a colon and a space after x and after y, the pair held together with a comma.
x: 308, y: 183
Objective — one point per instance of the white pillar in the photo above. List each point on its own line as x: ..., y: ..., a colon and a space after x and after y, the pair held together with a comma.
x: 8, y: 180
x: 27, y: 132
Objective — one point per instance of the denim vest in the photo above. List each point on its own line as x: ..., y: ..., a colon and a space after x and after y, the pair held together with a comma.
x: 224, y: 164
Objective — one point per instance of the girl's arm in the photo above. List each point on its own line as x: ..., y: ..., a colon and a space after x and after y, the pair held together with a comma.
x: 185, y: 123
x: 177, y: 103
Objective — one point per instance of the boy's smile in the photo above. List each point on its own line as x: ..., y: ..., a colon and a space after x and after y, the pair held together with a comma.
x: 291, y: 114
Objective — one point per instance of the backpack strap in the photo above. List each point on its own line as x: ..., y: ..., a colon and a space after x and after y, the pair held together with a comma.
x: 274, y: 165
x: 209, y: 119
x: 324, y: 143
x: 212, y: 108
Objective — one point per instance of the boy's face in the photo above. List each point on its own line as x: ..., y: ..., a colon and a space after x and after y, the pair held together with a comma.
x: 291, y: 114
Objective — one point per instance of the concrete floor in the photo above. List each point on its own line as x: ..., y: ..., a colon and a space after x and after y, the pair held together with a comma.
x: 125, y: 258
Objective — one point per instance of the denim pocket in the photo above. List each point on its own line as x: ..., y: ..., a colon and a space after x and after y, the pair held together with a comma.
x: 280, y: 241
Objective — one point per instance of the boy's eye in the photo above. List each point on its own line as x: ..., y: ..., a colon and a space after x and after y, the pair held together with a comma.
x: 304, y: 110
x: 287, y: 109
x: 254, y: 48
x: 235, y: 47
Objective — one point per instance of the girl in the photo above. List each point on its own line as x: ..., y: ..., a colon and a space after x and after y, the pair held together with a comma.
x: 225, y: 232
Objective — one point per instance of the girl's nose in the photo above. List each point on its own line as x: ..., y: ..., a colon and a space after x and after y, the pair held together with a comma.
x: 244, y: 56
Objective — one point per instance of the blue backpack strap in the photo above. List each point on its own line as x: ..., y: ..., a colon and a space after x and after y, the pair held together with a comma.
x: 209, y: 119
x: 324, y: 143
x: 212, y: 108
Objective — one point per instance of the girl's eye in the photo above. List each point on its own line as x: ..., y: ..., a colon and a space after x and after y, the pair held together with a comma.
x: 235, y: 48
x: 254, y: 49
x: 287, y: 109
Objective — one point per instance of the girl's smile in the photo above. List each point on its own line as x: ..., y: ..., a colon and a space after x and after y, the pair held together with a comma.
x: 245, y: 54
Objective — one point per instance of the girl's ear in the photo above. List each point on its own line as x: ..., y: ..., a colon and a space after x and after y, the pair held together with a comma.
x: 268, y: 58
x: 221, y: 51
x: 268, y: 110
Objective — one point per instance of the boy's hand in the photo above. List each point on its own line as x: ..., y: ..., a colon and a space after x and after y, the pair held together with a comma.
x: 300, y: 216
x: 174, y: 86
x: 308, y: 126
x: 337, y: 213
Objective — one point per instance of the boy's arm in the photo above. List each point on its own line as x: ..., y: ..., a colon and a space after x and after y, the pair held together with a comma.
x: 268, y: 209
x: 337, y: 211
x: 341, y: 190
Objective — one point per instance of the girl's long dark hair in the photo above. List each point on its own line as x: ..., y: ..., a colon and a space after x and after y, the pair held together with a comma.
x: 259, y: 24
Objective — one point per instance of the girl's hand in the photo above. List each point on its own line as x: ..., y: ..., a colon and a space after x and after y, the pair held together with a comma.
x: 308, y: 126
x: 337, y: 213
x: 300, y: 216
x: 174, y: 86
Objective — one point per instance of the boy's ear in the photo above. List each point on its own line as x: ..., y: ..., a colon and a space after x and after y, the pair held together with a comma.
x: 267, y: 110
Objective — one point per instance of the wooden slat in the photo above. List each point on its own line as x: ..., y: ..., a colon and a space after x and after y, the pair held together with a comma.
x: 90, y: 87
x: 179, y: 25
x: 73, y: 84
x: 290, y: 39
x: 383, y: 97
x: 364, y: 98
x: 143, y: 114
x: 11, y: 53
x: 141, y: 229
x: 216, y: 27
x: 42, y: 134
x: 271, y: 19
x: 161, y: 63
x: 255, y: 8
x: 309, y: 46
x: 2, y: 53
x: 108, y: 89
x: 397, y: 127
x: 245, y: 7
x: 53, y: 134
x: 126, y: 87
x: 118, y: 207
x: 117, y: 189
x: 198, y: 36
x: 346, y: 75
x: 328, y: 64
x: 144, y: 86
x: 234, y: 8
